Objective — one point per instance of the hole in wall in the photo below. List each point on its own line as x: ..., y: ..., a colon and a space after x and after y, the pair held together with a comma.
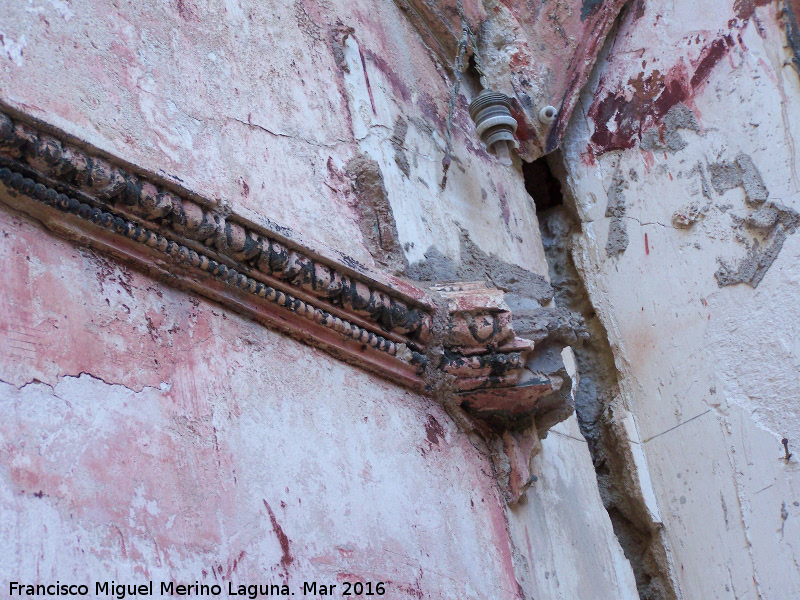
x: 541, y: 184
x: 471, y: 79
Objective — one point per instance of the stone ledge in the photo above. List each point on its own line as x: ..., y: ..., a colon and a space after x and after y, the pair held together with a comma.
x: 372, y: 320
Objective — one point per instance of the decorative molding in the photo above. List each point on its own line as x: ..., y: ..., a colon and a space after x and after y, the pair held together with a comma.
x: 478, y: 317
x: 486, y: 358
x: 370, y: 319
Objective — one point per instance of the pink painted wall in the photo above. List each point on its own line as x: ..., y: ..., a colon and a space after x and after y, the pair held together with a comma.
x: 149, y: 435
x: 152, y: 434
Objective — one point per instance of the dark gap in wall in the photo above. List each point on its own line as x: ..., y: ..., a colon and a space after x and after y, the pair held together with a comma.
x: 471, y: 78
x: 541, y: 185
x: 597, y: 394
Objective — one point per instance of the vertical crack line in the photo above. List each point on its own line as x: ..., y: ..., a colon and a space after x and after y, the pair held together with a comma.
x: 451, y: 109
x: 599, y: 404
x: 741, y: 500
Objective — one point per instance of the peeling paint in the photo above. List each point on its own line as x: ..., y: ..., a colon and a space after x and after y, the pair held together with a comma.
x: 622, y: 116
x: 375, y: 216
x: 703, y: 329
x: 665, y: 136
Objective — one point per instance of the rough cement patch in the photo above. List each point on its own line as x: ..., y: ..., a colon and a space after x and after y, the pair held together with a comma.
x: 616, y: 198
x: 724, y: 176
x: 598, y: 376
x: 666, y: 136
x: 753, y: 267
x: 790, y: 18
x: 476, y: 265
x: 755, y: 191
x: 685, y: 217
x: 375, y: 216
x: 771, y: 222
x: 617, y: 237
x: 742, y: 172
x: 617, y: 229
x: 557, y: 324
x: 681, y: 116
x: 435, y: 267
x: 760, y: 255
x: 704, y: 185
x: 398, y: 139
x: 763, y: 218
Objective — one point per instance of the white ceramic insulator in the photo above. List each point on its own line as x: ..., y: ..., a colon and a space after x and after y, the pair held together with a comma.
x: 503, y: 153
x: 548, y: 114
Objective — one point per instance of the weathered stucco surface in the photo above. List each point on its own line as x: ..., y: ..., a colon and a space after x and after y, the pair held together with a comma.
x: 682, y: 167
x: 151, y: 434
x: 147, y: 431
x: 543, y: 527
x: 154, y: 451
x: 262, y: 105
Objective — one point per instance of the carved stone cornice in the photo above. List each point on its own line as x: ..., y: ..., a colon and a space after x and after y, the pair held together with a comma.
x: 323, y: 298
x: 478, y: 317
x: 486, y: 358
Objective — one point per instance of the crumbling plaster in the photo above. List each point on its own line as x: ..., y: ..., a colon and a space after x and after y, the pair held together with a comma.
x: 708, y: 366
x: 261, y: 106
x: 155, y: 434
x: 146, y: 427
x: 155, y: 453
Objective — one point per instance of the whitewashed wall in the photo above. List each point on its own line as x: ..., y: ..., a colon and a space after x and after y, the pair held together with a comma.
x: 709, y: 371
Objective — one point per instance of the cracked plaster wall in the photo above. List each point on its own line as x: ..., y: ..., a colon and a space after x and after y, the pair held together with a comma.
x: 700, y: 303
x: 152, y: 432
x: 262, y: 105
x: 144, y: 432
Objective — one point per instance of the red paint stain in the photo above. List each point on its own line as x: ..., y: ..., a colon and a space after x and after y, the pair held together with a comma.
x: 646, y: 245
x: 287, y: 559
x: 430, y: 108
x: 235, y: 564
x: 504, y: 208
x: 649, y: 161
x: 502, y: 544
x: 622, y: 115
x: 523, y: 133
x: 709, y: 59
x: 745, y: 9
x: 366, y: 78
x: 390, y: 74
x: 184, y: 11
x: 433, y: 430
x: 414, y: 591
